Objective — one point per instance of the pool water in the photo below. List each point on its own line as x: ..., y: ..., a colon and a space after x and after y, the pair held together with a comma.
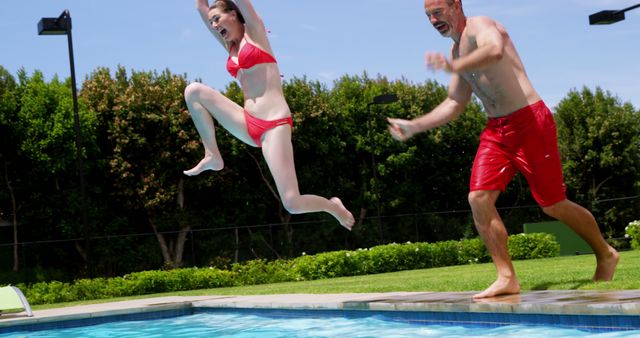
x: 245, y: 325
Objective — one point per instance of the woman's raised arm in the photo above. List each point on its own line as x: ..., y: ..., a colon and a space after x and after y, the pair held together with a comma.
x: 203, y: 8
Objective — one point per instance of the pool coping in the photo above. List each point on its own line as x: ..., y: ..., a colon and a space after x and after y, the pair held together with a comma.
x: 536, y: 302
x: 600, y: 303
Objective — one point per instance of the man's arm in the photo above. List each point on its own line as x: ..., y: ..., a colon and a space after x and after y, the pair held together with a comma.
x: 490, y: 49
x: 490, y: 42
x: 458, y: 96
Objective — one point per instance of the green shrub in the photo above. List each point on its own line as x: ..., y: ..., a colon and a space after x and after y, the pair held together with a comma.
x: 222, y: 263
x: 632, y: 231
x: 156, y: 281
x: 445, y: 253
x: 409, y: 256
x: 378, y: 259
x: 117, y: 287
x: 413, y: 256
x: 305, y: 267
x: 199, y: 278
x: 423, y: 255
x: 329, y: 265
x: 90, y: 289
x: 532, y: 246
x: 209, y: 278
x: 48, y: 292
x: 261, y: 271
x: 387, y: 258
x: 146, y: 282
x: 472, y: 251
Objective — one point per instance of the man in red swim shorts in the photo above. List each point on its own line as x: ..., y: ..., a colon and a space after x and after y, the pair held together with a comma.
x: 520, y: 136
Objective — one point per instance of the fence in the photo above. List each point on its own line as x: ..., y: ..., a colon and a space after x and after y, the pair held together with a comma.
x: 220, y: 246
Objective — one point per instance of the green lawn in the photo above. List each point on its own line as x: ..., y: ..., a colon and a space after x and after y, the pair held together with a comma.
x: 562, y: 273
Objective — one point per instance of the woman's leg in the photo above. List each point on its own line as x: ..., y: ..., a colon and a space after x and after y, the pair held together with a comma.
x: 278, y: 153
x: 206, y: 104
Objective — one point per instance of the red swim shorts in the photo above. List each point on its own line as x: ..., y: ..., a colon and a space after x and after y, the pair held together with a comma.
x: 524, y: 141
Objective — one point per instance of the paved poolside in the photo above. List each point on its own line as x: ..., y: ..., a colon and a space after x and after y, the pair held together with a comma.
x: 626, y: 302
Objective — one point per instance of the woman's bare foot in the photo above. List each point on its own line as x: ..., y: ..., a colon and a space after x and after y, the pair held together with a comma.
x: 344, y: 216
x: 207, y: 163
x: 606, y: 266
x: 502, y: 286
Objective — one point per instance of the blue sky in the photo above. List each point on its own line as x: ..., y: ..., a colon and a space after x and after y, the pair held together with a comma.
x: 324, y: 40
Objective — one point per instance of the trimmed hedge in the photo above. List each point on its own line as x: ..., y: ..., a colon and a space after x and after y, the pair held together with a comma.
x: 137, y: 283
x: 632, y: 231
x: 378, y: 259
x: 532, y: 246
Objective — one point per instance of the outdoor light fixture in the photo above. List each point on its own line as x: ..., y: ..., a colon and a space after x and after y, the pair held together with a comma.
x: 55, y: 26
x: 62, y: 26
x: 384, y: 98
x: 609, y: 16
x: 380, y: 99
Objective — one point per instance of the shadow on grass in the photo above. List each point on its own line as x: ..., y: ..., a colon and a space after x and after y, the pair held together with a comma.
x: 573, y: 285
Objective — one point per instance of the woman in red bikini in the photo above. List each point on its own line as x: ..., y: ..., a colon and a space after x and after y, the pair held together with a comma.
x: 265, y: 120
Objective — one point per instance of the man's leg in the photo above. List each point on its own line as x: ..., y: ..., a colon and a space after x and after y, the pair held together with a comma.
x: 495, y: 237
x: 584, y: 224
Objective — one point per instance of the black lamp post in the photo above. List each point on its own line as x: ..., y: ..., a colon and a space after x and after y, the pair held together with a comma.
x: 609, y: 16
x: 62, y: 26
x: 380, y: 99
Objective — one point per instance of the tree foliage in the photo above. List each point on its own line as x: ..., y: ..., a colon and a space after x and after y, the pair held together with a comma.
x: 599, y: 139
x: 144, y: 213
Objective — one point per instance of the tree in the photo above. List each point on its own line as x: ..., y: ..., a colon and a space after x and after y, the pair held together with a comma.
x: 138, y: 138
x: 599, y: 138
x: 101, y: 93
x: 8, y: 154
x: 44, y: 139
x: 147, y: 128
x: 430, y: 172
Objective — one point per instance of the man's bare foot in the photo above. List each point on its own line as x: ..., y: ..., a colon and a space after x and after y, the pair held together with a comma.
x: 344, y: 216
x: 502, y: 286
x: 207, y: 163
x: 606, y: 266
x: 503, y: 299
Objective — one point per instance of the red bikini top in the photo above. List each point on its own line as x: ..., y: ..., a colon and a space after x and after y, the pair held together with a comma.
x: 249, y: 56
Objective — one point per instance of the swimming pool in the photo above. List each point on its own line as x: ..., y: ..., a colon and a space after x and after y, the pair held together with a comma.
x: 242, y: 323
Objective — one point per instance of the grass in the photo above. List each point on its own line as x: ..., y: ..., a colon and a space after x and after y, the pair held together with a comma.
x: 560, y: 273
